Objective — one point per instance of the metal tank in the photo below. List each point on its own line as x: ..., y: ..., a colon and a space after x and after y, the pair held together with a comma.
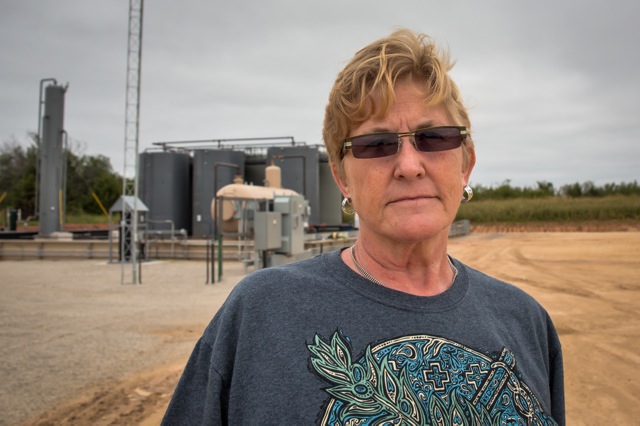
x: 165, y: 188
x: 330, y: 213
x: 300, y: 173
x: 254, y: 168
x: 52, y: 162
x: 212, y: 169
x: 272, y: 217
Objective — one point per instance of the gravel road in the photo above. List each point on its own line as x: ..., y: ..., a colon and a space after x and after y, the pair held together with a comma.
x: 68, y: 326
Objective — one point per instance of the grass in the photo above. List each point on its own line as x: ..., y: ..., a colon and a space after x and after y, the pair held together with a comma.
x: 552, y: 209
x: 86, y: 218
x: 518, y: 210
x: 83, y: 218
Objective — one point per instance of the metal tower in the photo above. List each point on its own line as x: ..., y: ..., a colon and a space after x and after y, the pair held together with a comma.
x: 129, y: 220
x: 51, y: 166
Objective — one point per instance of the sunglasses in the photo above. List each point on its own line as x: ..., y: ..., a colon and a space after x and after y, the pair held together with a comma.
x: 432, y: 139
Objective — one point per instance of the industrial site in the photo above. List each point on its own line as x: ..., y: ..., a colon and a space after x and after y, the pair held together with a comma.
x: 98, y: 320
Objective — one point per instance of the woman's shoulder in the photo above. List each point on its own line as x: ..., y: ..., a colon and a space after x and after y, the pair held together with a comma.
x: 288, y: 277
x: 312, y: 267
x: 499, y: 292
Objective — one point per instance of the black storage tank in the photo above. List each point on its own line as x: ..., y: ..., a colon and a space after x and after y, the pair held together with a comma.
x: 165, y: 188
x: 212, y: 169
x: 300, y: 172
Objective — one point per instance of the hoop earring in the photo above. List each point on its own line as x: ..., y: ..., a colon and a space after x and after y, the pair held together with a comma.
x: 467, y: 195
x: 347, y: 207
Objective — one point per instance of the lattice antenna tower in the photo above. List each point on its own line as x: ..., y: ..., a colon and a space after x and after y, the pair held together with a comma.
x: 129, y: 222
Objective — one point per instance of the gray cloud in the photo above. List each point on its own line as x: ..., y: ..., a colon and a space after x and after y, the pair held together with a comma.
x: 552, y: 86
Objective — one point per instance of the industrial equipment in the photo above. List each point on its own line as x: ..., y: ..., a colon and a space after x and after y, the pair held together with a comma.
x: 270, y: 217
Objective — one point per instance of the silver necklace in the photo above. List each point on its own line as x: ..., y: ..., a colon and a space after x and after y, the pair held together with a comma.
x: 368, y: 276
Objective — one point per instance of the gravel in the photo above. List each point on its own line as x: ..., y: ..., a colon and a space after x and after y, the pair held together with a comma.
x: 66, y: 326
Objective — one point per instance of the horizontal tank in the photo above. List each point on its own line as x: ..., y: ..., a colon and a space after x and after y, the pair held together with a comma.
x: 244, y: 192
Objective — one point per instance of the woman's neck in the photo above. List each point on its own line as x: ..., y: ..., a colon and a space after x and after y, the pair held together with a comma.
x: 420, y: 268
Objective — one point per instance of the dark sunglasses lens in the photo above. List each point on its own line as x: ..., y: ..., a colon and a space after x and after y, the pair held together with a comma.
x: 374, y: 146
x: 440, y: 139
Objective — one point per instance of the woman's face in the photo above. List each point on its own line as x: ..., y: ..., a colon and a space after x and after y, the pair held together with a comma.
x: 410, y: 196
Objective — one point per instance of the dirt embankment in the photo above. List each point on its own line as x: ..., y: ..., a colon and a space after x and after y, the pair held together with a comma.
x: 587, y: 226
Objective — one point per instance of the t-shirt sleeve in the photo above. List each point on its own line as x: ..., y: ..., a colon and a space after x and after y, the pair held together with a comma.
x: 556, y: 381
x: 199, y: 396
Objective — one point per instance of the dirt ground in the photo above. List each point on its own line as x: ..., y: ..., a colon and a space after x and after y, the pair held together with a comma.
x: 80, y: 348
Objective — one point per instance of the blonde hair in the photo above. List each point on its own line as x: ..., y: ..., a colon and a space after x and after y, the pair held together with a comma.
x: 364, y: 88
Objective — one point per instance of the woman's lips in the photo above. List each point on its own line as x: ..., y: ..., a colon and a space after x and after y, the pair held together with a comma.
x: 413, y: 199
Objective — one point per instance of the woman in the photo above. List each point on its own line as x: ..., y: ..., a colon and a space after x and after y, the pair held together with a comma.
x: 391, y: 330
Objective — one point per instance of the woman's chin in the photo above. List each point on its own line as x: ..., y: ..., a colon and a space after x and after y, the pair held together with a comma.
x: 416, y: 229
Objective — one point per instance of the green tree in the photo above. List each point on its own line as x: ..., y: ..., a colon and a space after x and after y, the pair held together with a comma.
x: 17, y: 176
x: 85, y: 175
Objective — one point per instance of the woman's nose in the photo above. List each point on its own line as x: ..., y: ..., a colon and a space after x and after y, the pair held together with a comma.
x: 409, y: 162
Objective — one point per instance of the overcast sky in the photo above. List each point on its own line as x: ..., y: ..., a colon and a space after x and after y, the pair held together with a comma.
x: 553, y: 86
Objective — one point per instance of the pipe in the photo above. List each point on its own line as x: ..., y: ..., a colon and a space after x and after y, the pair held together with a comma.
x: 215, y: 185
x: 95, y: 197
x: 169, y: 221
x: 219, y: 258
x: 219, y: 142
x: 60, y: 210
x: 63, y: 178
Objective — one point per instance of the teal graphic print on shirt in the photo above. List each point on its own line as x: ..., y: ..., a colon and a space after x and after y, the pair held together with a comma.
x: 421, y: 380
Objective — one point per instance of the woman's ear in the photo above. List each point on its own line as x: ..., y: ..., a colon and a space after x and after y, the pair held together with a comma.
x: 470, y: 163
x: 341, y: 180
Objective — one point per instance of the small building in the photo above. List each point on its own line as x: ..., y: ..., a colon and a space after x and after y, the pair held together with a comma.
x: 126, y: 205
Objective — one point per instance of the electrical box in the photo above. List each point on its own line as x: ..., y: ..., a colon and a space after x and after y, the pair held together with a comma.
x: 268, y: 230
x: 292, y: 209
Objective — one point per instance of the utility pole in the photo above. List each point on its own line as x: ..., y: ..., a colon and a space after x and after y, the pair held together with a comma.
x: 129, y: 219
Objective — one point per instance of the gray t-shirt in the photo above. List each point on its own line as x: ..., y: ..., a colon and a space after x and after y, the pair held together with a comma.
x: 315, y: 343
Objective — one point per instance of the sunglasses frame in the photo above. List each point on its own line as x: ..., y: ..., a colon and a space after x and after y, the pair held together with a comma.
x: 347, y: 142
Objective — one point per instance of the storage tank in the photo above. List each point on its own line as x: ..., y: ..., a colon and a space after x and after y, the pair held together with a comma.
x: 254, y: 168
x: 212, y: 169
x: 248, y: 192
x: 52, y: 162
x: 165, y: 188
x: 330, y: 213
x: 300, y: 172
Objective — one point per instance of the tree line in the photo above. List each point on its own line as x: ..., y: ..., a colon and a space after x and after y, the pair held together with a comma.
x: 94, y: 174
x: 85, y: 175
x: 544, y: 189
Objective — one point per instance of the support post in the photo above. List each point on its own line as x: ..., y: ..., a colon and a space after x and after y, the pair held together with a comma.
x: 219, y: 258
